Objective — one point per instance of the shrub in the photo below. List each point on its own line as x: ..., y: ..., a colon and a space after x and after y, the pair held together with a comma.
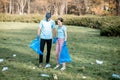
x: 109, y: 25
x: 111, y: 31
x: 20, y: 18
x: 86, y: 21
x: 92, y: 22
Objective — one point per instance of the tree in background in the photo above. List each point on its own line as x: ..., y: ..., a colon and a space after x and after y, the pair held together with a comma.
x: 117, y: 7
x: 61, y: 7
x: 58, y: 7
x: 21, y: 5
x: 4, y: 6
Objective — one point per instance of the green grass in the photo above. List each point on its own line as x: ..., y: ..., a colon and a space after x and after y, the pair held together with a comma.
x: 85, y: 46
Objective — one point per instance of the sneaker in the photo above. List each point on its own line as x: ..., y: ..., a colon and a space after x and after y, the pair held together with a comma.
x: 63, y: 68
x: 56, y: 66
x: 47, y: 66
x: 55, y: 77
x: 40, y: 65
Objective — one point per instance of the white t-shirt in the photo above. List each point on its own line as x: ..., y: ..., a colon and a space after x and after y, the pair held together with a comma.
x: 61, y: 31
x: 46, y: 29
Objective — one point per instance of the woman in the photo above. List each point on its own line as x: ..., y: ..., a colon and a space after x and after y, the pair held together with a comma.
x: 62, y: 37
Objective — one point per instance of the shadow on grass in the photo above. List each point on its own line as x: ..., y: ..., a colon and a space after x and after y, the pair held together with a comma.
x: 19, y: 67
x: 7, y: 54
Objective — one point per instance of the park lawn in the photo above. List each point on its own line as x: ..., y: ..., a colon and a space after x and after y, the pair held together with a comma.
x: 85, y: 47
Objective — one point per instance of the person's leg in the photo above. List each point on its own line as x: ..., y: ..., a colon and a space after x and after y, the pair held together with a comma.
x: 61, y: 41
x: 57, y: 54
x: 61, y: 44
x: 58, y: 48
x: 42, y: 44
x: 63, y: 66
x: 57, y: 51
x: 49, y: 45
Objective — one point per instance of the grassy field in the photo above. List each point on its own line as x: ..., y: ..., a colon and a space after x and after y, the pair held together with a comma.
x: 85, y: 47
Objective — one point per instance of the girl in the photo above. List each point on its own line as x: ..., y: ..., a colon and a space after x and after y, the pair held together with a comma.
x: 62, y: 37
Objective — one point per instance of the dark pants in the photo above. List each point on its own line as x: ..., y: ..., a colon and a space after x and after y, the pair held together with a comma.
x: 42, y: 44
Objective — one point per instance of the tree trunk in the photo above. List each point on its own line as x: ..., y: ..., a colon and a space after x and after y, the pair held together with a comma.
x: 117, y: 7
x: 66, y: 7
x: 56, y: 7
x: 21, y: 6
x: 13, y: 7
x: 10, y: 6
x: 62, y: 8
x: 5, y: 8
x: 18, y: 8
x: 56, y: 11
x: 28, y: 7
x: 83, y: 7
x: 86, y: 6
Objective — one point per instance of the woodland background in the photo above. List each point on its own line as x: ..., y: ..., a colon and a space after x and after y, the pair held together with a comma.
x: 61, y: 7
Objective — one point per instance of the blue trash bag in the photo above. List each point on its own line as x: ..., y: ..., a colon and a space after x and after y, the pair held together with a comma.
x: 55, y: 40
x: 35, y: 45
x: 64, y: 54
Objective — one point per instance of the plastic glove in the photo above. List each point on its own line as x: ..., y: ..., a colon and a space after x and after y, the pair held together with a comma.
x: 55, y: 40
x: 37, y: 37
x: 65, y: 43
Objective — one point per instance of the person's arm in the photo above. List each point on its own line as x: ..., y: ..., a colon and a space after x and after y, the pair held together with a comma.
x: 38, y: 31
x: 65, y: 35
x: 54, y: 29
x: 54, y: 32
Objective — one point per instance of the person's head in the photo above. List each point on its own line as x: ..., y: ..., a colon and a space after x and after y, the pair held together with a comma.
x: 48, y: 16
x: 60, y: 21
